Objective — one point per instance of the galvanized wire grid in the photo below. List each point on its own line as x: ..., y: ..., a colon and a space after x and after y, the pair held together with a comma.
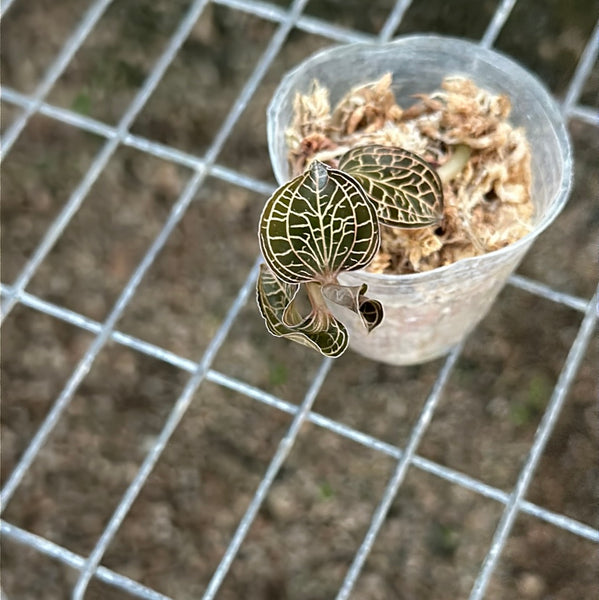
x: 15, y: 293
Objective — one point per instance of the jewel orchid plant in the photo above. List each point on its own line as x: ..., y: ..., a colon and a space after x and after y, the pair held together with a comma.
x: 329, y: 220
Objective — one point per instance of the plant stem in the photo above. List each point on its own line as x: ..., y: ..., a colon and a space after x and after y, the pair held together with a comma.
x: 455, y: 164
x: 317, y: 300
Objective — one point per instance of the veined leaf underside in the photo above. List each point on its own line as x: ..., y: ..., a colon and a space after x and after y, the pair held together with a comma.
x: 319, y: 331
x: 406, y: 190
x: 354, y: 298
x: 318, y: 224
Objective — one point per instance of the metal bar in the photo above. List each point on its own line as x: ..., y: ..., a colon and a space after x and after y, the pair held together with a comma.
x: 311, y: 25
x: 91, y: 17
x: 4, y: 6
x: 275, y: 465
x: 184, y: 400
x: 185, y: 159
x: 393, y: 20
x: 586, y: 114
x: 48, y: 548
x: 86, y: 362
x: 306, y: 23
x: 544, y: 291
x: 399, y: 475
x: 175, y: 416
x: 64, y: 115
x: 264, y: 63
x: 575, y: 356
x: 338, y: 428
x: 263, y: 10
x: 87, y: 324
x: 573, y: 360
x: 281, y: 454
x: 421, y: 463
x: 139, y: 143
x: 583, y: 69
x: 500, y: 16
x: 102, y: 158
x: 245, y: 181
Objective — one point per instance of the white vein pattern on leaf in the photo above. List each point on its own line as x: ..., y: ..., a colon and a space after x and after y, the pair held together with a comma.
x: 396, y: 174
x: 350, y: 262
x: 277, y: 204
x: 316, y: 241
x: 418, y: 209
x: 309, y: 230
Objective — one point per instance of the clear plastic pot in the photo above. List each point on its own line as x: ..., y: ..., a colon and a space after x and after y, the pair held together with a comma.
x: 426, y: 314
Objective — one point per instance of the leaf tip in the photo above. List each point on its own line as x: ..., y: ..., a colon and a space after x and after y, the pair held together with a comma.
x: 320, y: 175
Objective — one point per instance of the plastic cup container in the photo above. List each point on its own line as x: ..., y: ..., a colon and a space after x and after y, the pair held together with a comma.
x: 426, y: 314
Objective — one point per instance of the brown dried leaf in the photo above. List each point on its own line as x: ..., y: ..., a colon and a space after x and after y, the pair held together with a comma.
x: 366, y: 107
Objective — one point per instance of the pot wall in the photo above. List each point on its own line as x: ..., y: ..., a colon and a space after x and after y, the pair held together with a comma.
x: 426, y: 314
x: 426, y: 317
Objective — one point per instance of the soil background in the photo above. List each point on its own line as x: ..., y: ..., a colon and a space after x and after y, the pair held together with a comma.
x: 304, y: 538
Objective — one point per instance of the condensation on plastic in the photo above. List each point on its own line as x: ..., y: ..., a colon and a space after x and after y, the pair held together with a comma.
x: 426, y: 314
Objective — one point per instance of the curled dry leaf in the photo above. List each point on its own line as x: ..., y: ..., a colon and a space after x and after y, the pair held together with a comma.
x: 354, y: 298
x: 318, y: 330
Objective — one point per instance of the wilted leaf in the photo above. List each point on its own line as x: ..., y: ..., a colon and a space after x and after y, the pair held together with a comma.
x: 275, y: 298
x: 406, y: 190
x: 354, y: 298
x: 319, y: 331
x: 317, y: 225
x: 322, y: 332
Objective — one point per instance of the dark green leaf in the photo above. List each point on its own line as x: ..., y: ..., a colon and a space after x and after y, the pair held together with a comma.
x: 353, y: 298
x: 371, y: 313
x: 406, y: 190
x: 319, y: 330
x: 275, y: 298
x: 317, y: 225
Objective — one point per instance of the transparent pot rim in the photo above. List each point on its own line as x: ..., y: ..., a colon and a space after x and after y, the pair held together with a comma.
x: 446, y: 43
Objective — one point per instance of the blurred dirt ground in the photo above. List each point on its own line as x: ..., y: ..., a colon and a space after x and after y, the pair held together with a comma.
x: 314, y: 518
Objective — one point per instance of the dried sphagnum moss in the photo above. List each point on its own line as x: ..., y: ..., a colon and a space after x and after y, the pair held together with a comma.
x: 487, y: 204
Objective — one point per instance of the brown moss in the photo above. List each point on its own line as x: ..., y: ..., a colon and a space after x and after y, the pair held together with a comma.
x: 487, y: 204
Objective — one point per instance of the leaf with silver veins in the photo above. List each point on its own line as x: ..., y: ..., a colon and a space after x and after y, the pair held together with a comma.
x: 407, y: 191
x: 319, y: 330
x: 317, y: 225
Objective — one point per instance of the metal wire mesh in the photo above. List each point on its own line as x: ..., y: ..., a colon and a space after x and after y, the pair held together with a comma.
x: 15, y: 293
